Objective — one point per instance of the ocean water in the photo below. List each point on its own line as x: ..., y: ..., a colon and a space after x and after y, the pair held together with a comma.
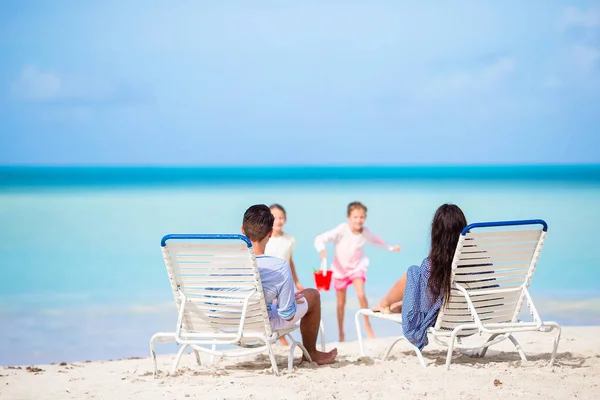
x: 83, y: 277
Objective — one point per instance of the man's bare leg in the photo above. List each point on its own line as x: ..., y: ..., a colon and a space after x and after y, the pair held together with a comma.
x: 359, y: 286
x: 395, y: 295
x: 341, y: 305
x: 309, y: 328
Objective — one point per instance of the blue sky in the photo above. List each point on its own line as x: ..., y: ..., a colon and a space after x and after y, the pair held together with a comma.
x: 310, y: 82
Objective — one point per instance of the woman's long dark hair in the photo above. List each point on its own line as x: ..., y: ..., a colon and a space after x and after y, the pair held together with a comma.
x: 448, y: 223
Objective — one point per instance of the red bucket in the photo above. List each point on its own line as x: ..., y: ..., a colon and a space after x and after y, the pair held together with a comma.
x: 323, y: 277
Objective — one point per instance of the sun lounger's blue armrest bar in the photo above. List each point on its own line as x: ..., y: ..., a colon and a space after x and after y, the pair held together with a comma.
x: 208, y: 236
x: 506, y: 223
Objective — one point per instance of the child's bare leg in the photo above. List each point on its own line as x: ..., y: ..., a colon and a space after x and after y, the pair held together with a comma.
x: 341, y: 304
x: 359, y: 286
x: 395, y: 295
x: 283, y: 341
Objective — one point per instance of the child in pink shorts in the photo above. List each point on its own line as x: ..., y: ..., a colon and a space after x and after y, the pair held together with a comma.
x: 350, y: 263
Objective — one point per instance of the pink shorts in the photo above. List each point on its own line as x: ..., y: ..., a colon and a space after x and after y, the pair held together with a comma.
x: 341, y: 284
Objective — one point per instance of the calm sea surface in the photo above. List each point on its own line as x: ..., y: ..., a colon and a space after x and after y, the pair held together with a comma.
x: 82, y: 273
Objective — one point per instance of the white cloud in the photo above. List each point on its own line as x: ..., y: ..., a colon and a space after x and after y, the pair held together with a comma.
x: 35, y: 85
x: 483, y: 79
x: 572, y: 17
x: 585, y: 57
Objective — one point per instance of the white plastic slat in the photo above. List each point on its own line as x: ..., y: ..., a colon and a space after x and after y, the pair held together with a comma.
x: 213, y: 295
x: 211, y: 266
x: 449, y: 325
x: 205, y: 307
x: 487, y: 313
x: 203, y: 280
x: 491, y: 246
x: 509, y: 258
x: 520, y: 274
x: 492, y: 253
x: 205, y: 245
x: 231, y: 287
x: 214, y: 259
x: 206, y: 252
x: 500, y: 282
x: 184, y: 274
x: 483, y: 306
x: 504, y: 309
x: 222, y: 316
x: 520, y: 234
x: 498, y: 241
x: 458, y: 297
x: 453, y: 324
x: 463, y: 270
x: 495, y: 318
x: 198, y: 324
x: 481, y: 301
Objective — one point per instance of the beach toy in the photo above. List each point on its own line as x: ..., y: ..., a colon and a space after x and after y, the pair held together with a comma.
x: 323, y: 277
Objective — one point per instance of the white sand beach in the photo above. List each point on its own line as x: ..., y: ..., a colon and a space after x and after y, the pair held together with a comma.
x: 501, y: 374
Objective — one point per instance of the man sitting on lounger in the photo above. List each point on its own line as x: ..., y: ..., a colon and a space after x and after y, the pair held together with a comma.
x: 278, y: 284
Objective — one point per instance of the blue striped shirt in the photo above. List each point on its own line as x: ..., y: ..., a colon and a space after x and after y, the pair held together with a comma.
x: 278, y: 284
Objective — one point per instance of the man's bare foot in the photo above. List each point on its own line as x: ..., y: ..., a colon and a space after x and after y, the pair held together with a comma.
x: 323, y: 358
x: 370, y: 333
x: 342, y: 337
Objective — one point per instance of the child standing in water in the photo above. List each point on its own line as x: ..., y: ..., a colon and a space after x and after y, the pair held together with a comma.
x: 350, y: 263
x: 281, y: 245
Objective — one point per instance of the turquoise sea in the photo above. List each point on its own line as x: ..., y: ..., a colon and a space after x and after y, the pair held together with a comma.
x: 82, y: 273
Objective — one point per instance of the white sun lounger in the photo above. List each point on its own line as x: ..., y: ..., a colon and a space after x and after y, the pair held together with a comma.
x: 491, y: 273
x: 219, y: 298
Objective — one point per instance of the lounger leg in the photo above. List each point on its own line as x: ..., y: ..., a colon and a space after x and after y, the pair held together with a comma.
x: 553, y: 326
x: 518, y: 346
x: 291, y: 354
x: 415, y: 348
x: 159, y: 335
x: 485, y: 349
x: 451, y: 347
x: 389, y: 349
x: 272, y: 357
x: 153, y: 355
x: 212, y: 356
x: 359, y: 333
x: 197, y: 355
x: 322, y: 332
x: 301, y: 346
x: 178, y: 358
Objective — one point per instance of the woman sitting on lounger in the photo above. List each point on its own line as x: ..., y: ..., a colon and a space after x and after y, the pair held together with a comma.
x: 420, y: 293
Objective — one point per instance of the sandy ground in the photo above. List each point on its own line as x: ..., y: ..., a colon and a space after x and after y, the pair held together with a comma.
x: 501, y: 374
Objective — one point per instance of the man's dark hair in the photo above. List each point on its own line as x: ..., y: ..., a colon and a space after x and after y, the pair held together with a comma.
x: 258, y: 222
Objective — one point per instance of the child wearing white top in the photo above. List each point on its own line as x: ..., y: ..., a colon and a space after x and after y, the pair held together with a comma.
x: 350, y: 263
x: 281, y: 245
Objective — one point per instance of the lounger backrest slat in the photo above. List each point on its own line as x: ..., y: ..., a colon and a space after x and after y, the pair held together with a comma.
x: 495, y: 268
x: 215, y: 275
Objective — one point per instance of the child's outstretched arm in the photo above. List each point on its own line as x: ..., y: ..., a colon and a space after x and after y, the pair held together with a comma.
x: 377, y: 241
x: 326, y: 237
